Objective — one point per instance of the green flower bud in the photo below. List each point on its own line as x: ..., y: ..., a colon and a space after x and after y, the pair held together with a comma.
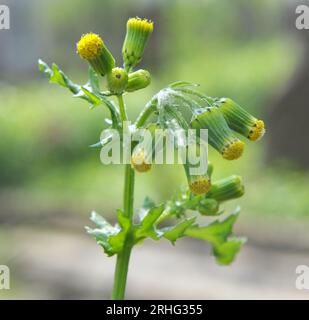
x: 208, y: 207
x: 117, y: 80
x: 227, y: 189
x: 138, y: 31
x: 138, y: 80
x: 240, y: 120
x: 92, y: 48
x: 220, y: 135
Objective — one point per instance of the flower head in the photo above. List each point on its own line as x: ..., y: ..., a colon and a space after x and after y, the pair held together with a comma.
x: 227, y: 189
x: 198, y: 181
x: 140, y: 161
x: 257, y: 130
x: 138, y: 31
x: 240, y: 120
x: 199, y: 184
x: 220, y: 135
x: 233, y: 150
x: 92, y: 48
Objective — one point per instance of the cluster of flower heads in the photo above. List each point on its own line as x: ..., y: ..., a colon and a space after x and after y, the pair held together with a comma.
x: 92, y: 48
x: 222, y: 117
x: 208, y: 204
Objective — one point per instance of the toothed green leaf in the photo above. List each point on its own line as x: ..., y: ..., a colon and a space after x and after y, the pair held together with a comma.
x: 117, y: 241
x: 93, y: 98
x: 93, y: 81
x: 175, y: 232
x: 217, y: 233
x: 226, y: 252
x: 55, y: 75
x: 102, y: 233
x: 111, y: 238
x: 89, y: 92
x: 147, y: 205
x: 146, y: 227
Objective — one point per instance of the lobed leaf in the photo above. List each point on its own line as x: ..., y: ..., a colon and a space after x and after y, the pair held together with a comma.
x: 147, y: 205
x: 111, y: 238
x: 117, y: 241
x: 89, y: 92
x: 217, y: 233
x: 146, y: 228
x: 177, y: 231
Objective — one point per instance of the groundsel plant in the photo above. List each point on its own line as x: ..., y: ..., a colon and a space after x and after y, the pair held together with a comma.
x: 167, y: 110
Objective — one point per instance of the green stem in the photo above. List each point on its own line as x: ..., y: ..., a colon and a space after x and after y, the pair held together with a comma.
x: 145, y: 114
x: 123, y: 257
x: 122, y: 108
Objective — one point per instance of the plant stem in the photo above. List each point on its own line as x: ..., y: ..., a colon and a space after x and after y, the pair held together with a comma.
x: 123, y: 257
x: 122, y: 108
x: 147, y: 111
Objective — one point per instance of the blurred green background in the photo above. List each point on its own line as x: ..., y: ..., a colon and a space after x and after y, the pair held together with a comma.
x: 50, y: 180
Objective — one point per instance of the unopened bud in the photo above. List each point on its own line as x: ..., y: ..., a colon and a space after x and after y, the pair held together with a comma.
x: 117, y: 80
x: 208, y: 207
x: 227, y: 189
x: 138, y: 80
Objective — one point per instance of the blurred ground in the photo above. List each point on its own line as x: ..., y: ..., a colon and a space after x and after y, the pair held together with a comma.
x: 263, y: 270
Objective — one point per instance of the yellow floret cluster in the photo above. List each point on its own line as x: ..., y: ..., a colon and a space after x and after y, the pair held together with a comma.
x: 233, y: 150
x: 90, y: 46
x: 200, y: 186
x: 140, y: 24
x: 257, y: 131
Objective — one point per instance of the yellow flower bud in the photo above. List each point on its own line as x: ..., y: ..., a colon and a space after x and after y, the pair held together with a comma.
x: 138, y: 31
x: 220, y: 135
x: 92, y: 48
x: 233, y: 150
x: 140, y: 162
x: 240, y: 120
x: 199, y: 184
